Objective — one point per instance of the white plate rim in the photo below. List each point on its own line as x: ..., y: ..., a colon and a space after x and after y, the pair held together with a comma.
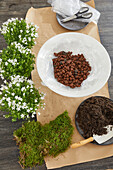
x: 75, y: 95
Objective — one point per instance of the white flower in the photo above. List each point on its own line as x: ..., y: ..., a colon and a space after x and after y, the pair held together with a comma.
x: 13, y: 108
x: 32, y: 33
x: 19, y: 36
x: 23, y: 107
x: 35, y: 100
x: 31, y: 86
x: 30, y: 82
x: 22, y: 115
x: 27, y: 31
x: 3, y: 98
x: 6, y: 63
x: 0, y: 101
x: 13, y: 102
x: 23, y: 88
x: 8, y: 99
x: 10, y: 85
x: 16, y: 97
x: 29, y: 38
x: 15, y: 60
x: 19, y: 98
x: 0, y: 51
x: 0, y: 92
x: 18, y: 109
x: 24, y: 104
x: 38, y: 113
x: 9, y: 103
x: 18, y: 84
x: 28, y: 110
x: 32, y: 116
x: 27, y: 86
x: 21, y: 31
x: 9, y: 60
x: 13, y: 94
x: 27, y: 116
x: 42, y: 98
x: 31, y: 90
x: 36, y: 34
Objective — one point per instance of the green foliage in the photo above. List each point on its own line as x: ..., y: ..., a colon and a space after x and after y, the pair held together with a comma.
x: 36, y: 141
x: 18, y: 30
x: 16, y: 60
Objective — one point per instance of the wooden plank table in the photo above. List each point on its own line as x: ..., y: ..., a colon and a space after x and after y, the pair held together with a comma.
x: 8, y: 149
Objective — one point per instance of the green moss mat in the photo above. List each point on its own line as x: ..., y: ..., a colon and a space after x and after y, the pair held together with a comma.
x: 36, y: 141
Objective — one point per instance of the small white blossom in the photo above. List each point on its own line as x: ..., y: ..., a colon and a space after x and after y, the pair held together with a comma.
x: 27, y: 116
x: 32, y: 116
x: 18, y: 84
x: 31, y: 90
x: 23, y: 88
x: 9, y: 103
x: 38, y: 113
x: 24, y: 104
x: 5, y: 81
x: 10, y: 85
x: 42, y: 98
x: 27, y: 31
x: 28, y: 110
x: 16, y: 97
x: 29, y: 38
x: 22, y: 115
x: 6, y: 63
x: 18, y: 108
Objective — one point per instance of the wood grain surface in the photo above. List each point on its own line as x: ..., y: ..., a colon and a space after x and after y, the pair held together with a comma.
x: 8, y: 150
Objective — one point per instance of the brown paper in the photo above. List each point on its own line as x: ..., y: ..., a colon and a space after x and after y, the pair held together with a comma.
x: 57, y: 104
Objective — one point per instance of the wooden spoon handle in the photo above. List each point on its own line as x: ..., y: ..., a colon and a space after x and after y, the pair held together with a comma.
x: 81, y: 143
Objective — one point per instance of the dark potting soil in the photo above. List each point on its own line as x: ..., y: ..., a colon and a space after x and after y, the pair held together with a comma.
x: 94, y: 114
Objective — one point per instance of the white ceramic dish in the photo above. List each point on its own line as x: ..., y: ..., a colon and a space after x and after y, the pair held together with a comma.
x: 78, y: 43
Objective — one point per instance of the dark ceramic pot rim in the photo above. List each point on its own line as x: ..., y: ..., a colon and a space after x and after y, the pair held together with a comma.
x: 110, y: 141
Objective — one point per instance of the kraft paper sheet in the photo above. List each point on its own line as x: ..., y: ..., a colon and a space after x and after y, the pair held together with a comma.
x: 57, y: 104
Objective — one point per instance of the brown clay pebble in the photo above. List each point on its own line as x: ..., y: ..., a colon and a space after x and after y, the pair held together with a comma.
x: 70, y: 70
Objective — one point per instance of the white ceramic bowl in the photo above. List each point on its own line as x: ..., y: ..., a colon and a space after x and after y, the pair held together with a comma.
x: 78, y: 43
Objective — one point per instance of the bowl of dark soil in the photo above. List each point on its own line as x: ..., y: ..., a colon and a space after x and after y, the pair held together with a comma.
x: 93, y: 115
